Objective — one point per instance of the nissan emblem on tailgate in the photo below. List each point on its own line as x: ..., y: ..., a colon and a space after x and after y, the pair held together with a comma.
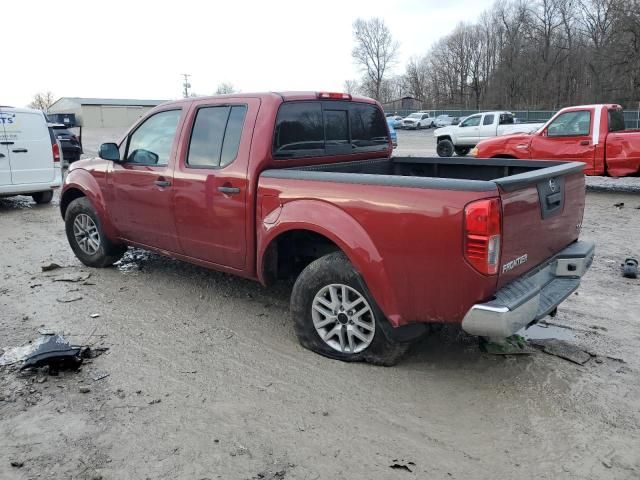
x: 553, y: 186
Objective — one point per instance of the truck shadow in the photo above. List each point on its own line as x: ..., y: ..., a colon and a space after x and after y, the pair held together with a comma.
x: 447, y: 346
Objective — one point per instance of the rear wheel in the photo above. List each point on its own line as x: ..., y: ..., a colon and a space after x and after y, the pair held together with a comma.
x: 445, y: 148
x: 42, y: 197
x: 462, y: 151
x: 86, y: 237
x: 334, y: 315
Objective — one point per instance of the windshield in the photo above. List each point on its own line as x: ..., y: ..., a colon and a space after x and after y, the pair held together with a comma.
x: 415, y: 115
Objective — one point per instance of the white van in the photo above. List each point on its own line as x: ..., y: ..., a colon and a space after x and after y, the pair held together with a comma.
x: 29, y: 155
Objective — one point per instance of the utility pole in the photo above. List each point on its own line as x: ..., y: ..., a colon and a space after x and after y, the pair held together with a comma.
x: 186, y: 85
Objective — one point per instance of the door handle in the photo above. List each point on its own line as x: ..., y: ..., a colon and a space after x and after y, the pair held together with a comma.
x: 1, y: 155
x: 584, y: 142
x: 6, y: 143
x: 229, y: 190
x: 19, y: 150
x: 161, y: 182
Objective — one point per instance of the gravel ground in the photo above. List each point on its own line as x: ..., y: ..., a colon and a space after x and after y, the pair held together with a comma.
x: 205, y: 378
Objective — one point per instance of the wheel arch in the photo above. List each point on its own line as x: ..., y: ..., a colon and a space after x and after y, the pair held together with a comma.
x: 338, y: 230
x: 80, y: 183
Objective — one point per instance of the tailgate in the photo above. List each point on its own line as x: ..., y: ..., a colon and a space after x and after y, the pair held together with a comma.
x: 541, y: 214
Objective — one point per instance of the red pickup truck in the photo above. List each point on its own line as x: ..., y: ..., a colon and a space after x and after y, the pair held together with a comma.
x: 593, y: 134
x: 301, y: 186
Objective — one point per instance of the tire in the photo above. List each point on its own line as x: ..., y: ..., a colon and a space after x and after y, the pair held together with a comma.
x: 42, y: 197
x: 334, y: 271
x: 462, y: 151
x: 445, y: 148
x: 106, y: 252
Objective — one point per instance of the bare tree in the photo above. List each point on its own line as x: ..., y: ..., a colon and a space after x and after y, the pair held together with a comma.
x: 375, y: 52
x: 225, y: 88
x: 351, y: 87
x: 42, y: 101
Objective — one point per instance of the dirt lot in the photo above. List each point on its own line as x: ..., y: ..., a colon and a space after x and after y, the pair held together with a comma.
x: 206, y: 379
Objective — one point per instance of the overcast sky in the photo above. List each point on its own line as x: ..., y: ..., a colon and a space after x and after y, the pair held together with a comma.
x: 138, y: 49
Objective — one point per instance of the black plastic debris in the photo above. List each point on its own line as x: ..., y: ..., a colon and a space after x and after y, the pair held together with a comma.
x: 401, y: 465
x: 630, y: 268
x: 56, y: 353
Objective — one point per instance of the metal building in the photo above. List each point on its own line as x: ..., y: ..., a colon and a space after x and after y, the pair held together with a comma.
x: 104, y: 112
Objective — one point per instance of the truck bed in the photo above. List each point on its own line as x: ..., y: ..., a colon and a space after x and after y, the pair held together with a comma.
x: 405, y: 209
x: 434, y: 172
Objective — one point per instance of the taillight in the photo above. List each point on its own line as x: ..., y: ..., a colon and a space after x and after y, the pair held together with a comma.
x: 56, y: 152
x: 483, y: 228
x: 334, y: 96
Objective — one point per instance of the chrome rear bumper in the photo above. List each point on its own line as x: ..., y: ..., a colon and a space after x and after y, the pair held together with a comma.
x: 532, y: 296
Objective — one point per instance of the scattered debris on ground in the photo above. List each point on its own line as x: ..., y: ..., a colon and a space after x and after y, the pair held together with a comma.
x: 630, y: 268
x: 562, y: 349
x: 50, y: 350
x: 513, y: 345
x: 402, y: 465
x: 50, y: 266
x: 73, y: 277
x: 69, y: 299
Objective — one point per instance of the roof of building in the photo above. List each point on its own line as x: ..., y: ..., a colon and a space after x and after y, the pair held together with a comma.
x: 113, y: 101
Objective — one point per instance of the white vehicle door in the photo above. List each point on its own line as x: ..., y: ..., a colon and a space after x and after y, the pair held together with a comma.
x: 5, y: 165
x: 468, y: 131
x: 487, y: 127
x: 29, y: 146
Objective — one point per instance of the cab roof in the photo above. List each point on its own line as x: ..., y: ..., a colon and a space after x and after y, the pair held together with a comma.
x: 288, y: 96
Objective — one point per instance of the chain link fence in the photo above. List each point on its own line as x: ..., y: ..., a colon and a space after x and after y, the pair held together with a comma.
x: 631, y: 117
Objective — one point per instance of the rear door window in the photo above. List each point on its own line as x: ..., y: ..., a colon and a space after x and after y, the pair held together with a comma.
x: 488, y: 120
x: 215, y: 136
x: 305, y: 129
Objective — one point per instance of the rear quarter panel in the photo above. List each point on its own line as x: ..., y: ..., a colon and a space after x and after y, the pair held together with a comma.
x: 405, y: 242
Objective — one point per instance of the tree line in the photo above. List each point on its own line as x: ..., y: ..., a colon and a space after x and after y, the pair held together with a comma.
x: 520, y: 54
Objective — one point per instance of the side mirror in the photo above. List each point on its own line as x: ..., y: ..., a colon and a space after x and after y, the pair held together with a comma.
x: 109, y: 151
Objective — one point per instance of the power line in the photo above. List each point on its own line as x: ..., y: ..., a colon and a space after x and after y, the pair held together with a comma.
x: 186, y: 85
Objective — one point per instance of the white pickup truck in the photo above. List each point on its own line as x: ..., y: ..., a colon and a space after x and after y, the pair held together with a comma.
x: 463, y: 137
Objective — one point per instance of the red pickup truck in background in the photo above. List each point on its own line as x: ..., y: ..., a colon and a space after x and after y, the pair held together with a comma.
x: 301, y: 186
x: 593, y: 134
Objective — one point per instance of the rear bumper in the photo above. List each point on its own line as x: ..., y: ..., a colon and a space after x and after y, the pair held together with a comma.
x: 533, y: 296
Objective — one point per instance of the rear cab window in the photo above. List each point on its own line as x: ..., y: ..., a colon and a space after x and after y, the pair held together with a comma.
x: 320, y: 128
x: 616, y: 120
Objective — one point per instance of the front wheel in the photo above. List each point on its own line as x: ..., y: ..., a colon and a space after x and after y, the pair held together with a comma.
x: 445, y: 148
x: 335, y: 316
x: 462, y: 151
x: 86, y: 237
